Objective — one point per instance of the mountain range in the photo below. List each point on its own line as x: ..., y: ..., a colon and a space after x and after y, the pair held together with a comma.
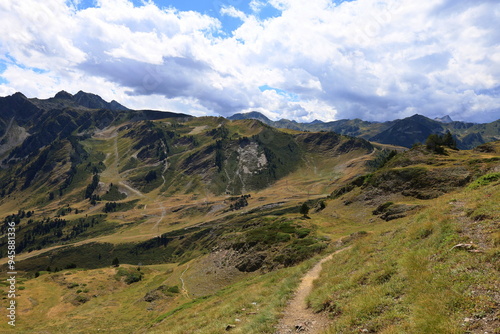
x: 404, y: 132
x: 144, y: 221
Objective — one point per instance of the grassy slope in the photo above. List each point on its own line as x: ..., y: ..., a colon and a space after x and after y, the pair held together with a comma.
x: 45, y: 304
x: 405, y: 276
x: 115, y: 297
x: 408, y: 278
x: 396, y: 304
x: 156, y: 213
x: 402, y: 277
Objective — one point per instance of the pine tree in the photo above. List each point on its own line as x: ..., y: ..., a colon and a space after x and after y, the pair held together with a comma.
x: 449, y: 141
x: 304, y: 209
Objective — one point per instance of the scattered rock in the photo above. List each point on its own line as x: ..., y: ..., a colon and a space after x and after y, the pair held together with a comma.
x: 299, y: 328
x: 153, y: 295
x: 251, y: 262
x: 33, y: 301
x: 161, y: 292
x: 468, y: 247
x: 390, y: 211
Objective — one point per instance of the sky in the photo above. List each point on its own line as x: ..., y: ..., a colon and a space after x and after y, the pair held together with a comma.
x: 376, y: 60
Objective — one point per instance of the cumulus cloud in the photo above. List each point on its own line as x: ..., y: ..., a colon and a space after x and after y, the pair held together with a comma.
x: 375, y: 60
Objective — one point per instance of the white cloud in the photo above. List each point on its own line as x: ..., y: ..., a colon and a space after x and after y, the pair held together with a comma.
x: 233, y: 12
x: 370, y: 59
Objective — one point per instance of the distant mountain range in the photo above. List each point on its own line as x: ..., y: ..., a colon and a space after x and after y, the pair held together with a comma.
x: 44, y: 142
x: 402, y: 132
x: 40, y: 121
x: 66, y: 112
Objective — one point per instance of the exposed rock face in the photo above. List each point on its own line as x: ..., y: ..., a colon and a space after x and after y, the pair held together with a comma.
x: 251, y: 263
x: 250, y: 160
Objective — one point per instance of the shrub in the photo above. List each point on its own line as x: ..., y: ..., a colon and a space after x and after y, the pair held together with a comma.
x: 302, y: 232
x: 81, y: 299
x: 484, y: 180
x: 436, y: 142
x: 173, y: 289
x: 133, y: 277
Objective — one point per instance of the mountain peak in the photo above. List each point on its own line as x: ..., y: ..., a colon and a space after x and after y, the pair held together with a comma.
x: 250, y: 115
x: 417, y: 116
x: 82, y: 94
x: 63, y: 95
x: 19, y: 95
x: 444, y: 119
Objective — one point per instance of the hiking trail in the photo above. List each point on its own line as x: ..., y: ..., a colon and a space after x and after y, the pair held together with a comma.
x: 298, y: 318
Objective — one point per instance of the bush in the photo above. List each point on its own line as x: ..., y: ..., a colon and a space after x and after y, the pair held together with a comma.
x: 302, y: 232
x: 174, y: 289
x: 484, y: 180
x: 133, y: 277
x: 81, y: 299
x: 109, y: 207
x: 436, y: 142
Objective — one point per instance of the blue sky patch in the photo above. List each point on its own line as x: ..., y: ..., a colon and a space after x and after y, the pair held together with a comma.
x: 3, y: 67
x: 269, y: 12
x: 211, y: 8
x: 495, y: 91
x: 13, y: 61
x: 289, y: 96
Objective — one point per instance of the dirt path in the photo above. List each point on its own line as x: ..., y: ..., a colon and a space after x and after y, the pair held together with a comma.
x: 122, y: 183
x: 298, y: 318
x: 163, y: 214
x: 183, y: 286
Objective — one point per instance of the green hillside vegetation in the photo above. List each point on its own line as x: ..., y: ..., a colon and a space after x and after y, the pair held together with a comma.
x: 133, y: 222
x: 395, y: 278
x: 432, y: 272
